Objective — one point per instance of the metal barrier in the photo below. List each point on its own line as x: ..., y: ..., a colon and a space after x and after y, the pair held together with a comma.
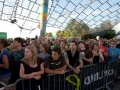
x: 4, y: 86
x: 25, y: 84
x: 91, y: 77
x: 112, y: 67
x: 112, y: 73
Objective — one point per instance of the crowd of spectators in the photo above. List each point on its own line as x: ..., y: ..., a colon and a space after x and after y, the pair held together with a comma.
x: 36, y: 58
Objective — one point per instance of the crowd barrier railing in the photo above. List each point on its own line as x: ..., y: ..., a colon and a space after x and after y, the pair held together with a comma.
x: 112, y: 73
x: 91, y: 77
x: 3, y: 86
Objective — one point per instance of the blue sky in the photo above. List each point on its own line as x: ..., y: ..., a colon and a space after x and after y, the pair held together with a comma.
x: 92, y: 12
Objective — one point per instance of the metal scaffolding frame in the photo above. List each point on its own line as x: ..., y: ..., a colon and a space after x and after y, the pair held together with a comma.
x: 92, y: 12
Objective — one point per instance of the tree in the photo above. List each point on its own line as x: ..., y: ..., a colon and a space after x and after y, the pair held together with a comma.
x: 10, y: 39
x: 66, y: 34
x: 88, y: 36
x: 48, y: 34
x: 76, y: 28
x: 110, y: 34
x: 105, y: 25
x: 58, y: 33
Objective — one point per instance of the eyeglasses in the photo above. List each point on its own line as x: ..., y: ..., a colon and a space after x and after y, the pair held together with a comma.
x: 112, y: 43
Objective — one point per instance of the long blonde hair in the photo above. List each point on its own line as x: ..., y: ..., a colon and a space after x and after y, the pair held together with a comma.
x: 34, y: 57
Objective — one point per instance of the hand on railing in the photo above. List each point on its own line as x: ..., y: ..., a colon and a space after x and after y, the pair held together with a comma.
x: 77, y: 70
x: 37, y: 77
x: 30, y: 76
x: 61, y: 72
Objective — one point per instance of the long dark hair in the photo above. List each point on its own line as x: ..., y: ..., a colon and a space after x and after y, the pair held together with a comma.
x: 94, y: 45
x: 4, y: 42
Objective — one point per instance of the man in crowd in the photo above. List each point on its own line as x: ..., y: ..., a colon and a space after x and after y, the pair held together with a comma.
x: 113, y: 52
x: 118, y: 44
x: 73, y: 56
x: 17, y: 55
x: 55, y: 64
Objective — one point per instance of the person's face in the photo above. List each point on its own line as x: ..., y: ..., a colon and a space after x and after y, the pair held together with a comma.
x: 28, y: 54
x: 94, y: 41
x: 55, y: 55
x: 57, y: 41
x: 81, y: 45
x: 1, y: 45
x: 118, y: 41
x: 95, y: 47
x: 42, y: 48
x: 16, y: 44
x: 73, y: 46
x: 62, y: 45
x: 112, y: 44
x: 100, y: 43
x: 32, y: 44
x: 46, y: 42
x: 88, y: 42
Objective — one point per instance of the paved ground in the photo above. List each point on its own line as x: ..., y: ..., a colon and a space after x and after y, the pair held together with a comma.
x: 117, y: 87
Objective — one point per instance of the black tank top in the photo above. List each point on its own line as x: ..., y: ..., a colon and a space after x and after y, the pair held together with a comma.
x: 96, y: 59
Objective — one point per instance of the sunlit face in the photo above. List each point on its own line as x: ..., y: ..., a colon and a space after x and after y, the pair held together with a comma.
x: 16, y: 44
x: 28, y: 53
x: 62, y: 45
x: 73, y: 46
x: 55, y: 55
x: 32, y: 44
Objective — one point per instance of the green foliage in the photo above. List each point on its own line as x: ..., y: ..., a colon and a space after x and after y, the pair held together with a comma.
x: 77, y: 28
x: 110, y: 34
x: 88, y: 36
x: 106, y: 25
x: 73, y: 29
x: 10, y: 39
x: 48, y: 34
x: 62, y: 34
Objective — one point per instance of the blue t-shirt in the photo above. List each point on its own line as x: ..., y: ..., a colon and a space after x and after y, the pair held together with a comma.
x: 115, y: 55
x: 4, y: 72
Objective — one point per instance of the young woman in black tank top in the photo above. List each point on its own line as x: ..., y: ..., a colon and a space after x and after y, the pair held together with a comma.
x: 97, y: 55
x: 31, y: 67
